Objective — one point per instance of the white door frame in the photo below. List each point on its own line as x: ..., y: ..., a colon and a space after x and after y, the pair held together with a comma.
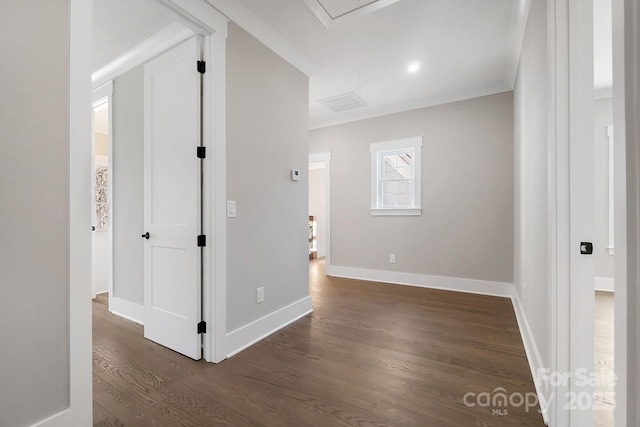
x: 207, y: 22
x: 326, y: 158
x: 626, y: 105
x: 571, y: 299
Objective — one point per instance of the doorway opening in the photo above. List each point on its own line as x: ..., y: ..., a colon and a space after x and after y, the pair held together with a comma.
x: 320, y: 207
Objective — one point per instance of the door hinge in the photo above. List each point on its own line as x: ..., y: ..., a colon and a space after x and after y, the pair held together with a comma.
x: 202, y: 240
x: 202, y: 152
x: 202, y: 67
x: 202, y: 327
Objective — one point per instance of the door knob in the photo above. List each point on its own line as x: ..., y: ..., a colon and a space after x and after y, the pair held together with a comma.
x: 146, y: 235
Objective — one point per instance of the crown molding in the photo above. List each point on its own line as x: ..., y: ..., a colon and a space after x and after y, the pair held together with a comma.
x: 246, y: 19
x: 148, y: 49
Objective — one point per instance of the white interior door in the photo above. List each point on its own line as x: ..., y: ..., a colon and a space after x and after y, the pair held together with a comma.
x: 172, y: 197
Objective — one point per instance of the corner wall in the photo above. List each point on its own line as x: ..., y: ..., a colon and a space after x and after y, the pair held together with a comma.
x: 35, y: 211
x: 466, y: 227
x: 267, y: 243
x: 531, y: 247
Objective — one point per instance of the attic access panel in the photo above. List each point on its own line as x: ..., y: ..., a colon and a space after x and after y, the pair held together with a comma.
x: 331, y: 12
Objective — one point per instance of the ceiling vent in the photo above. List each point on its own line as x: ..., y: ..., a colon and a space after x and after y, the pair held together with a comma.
x: 346, y: 101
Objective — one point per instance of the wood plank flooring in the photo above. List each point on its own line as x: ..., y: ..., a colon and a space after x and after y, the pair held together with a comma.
x: 371, y: 354
x: 604, y: 366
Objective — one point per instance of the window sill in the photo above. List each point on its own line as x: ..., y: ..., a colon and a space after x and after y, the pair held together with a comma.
x: 396, y: 212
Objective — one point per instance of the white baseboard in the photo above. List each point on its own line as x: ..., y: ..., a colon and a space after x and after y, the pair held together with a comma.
x: 483, y: 287
x: 257, y: 330
x: 604, y: 284
x: 533, y: 355
x: 127, y: 309
x: 61, y: 419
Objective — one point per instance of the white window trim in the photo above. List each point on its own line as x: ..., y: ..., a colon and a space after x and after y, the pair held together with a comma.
x: 375, y: 148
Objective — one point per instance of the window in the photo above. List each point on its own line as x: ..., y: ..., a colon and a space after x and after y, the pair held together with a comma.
x: 395, y: 177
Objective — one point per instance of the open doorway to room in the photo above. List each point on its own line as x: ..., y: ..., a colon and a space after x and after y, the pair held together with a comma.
x: 319, y: 207
x: 101, y: 254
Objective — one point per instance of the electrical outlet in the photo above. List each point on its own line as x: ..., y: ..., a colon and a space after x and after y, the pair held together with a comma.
x: 392, y: 258
x: 260, y: 294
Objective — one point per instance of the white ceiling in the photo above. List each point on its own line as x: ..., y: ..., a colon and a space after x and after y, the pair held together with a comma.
x: 466, y: 48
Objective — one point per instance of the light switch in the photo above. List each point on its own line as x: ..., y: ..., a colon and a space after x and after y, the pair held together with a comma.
x: 231, y: 208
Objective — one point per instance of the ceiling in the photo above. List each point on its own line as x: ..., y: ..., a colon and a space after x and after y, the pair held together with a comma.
x: 120, y: 25
x: 464, y: 48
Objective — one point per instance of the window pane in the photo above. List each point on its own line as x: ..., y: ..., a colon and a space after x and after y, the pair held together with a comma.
x: 389, y: 201
x: 404, y: 200
x: 404, y: 187
x: 389, y: 188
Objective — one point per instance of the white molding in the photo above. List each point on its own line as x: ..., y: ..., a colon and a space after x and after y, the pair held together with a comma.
x: 127, y: 309
x: 605, y: 284
x: 215, y: 218
x: 197, y: 15
x: 611, y: 190
x: 473, y: 286
x: 79, y: 114
x: 396, y: 212
x: 100, y: 95
x: 519, y: 17
x: 160, y: 42
x: 536, y: 365
x: 358, y: 114
x: 61, y: 419
x: 246, y: 19
x: 247, y: 335
x: 328, y: 21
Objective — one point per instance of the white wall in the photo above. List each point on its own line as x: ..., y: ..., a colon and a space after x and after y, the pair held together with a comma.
x: 466, y: 227
x: 603, y: 116
x: 128, y: 186
x: 35, y: 212
x: 318, y: 206
x: 531, y: 249
x: 267, y: 136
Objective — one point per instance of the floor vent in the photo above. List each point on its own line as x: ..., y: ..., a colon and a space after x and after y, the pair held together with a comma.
x: 346, y: 101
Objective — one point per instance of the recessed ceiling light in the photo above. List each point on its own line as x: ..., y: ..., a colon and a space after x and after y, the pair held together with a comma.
x: 414, y: 67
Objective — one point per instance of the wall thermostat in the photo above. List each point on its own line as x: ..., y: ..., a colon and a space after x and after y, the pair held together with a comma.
x: 295, y: 175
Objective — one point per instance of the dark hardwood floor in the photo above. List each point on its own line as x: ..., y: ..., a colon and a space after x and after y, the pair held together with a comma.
x: 371, y: 354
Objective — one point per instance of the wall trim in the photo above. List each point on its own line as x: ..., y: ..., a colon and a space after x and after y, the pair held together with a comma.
x: 533, y: 356
x: 247, y: 335
x: 604, y: 284
x: 61, y: 419
x: 519, y: 17
x: 473, y: 286
x: 143, y: 52
x: 127, y: 309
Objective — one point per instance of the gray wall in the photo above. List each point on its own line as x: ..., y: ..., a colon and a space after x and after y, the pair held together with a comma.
x: 128, y: 186
x: 603, y: 116
x: 267, y: 136
x: 531, y: 172
x: 34, y: 208
x: 466, y: 227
